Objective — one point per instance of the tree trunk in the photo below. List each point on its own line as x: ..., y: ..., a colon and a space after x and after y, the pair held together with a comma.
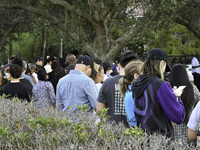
x: 44, y: 41
x: 10, y: 45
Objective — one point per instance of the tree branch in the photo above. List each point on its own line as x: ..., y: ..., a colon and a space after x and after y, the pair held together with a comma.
x: 41, y: 13
x: 188, y: 26
x: 137, y: 29
x: 72, y: 9
x: 6, y: 33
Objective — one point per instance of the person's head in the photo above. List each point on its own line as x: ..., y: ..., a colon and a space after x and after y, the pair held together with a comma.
x: 179, y: 77
x: 98, y: 61
x: 59, y: 72
x: 126, y: 57
x: 85, y: 64
x: 98, y: 76
x: 42, y: 75
x: 11, y: 58
x: 54, y: 65
x: 69, y: 67
x: 50, y: 59
x: 106, y: 67
x: 24, y: 65
x: 197, y: 55
x: 70, y: 59
x: 38, y: 61
x: 15, y: 71
x: 156, y: 63
x: 33, y: 68
x: 131, y: 72
x: 18, y: 61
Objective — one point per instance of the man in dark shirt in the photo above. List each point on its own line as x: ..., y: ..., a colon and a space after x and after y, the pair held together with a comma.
x: 109, y: 95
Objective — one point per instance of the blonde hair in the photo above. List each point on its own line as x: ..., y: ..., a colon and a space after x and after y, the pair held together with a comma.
x: 97, y: 69
x: 130, y: 69
x: 152, y: 67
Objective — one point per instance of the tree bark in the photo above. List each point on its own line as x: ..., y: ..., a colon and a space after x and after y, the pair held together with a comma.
x: 6, y: 34
x: 44, y: 41
x: 10, y: 45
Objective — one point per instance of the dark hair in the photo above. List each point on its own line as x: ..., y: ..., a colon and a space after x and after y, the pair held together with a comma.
x: 126, y: 57
x: 98, y: 61
x: 50, y: 58
x: 106, y: 66
x: 179, y: 77
x: 70, y: 67
x: 54, y: 65
x: 15, y: 71
x: 18, y: 61
x: 42, y: 75
x: 59, y: 72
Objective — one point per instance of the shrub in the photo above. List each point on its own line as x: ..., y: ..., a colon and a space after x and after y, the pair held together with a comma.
x: 23, y: 126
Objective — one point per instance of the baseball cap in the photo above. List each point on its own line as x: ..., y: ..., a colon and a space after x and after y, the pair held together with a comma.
x: 106, y: 65
x: 86, y: 60
x: 159, y: 54
x: 38, y: 58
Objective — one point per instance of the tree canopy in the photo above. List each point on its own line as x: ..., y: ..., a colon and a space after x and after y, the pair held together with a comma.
x: 100, y: 27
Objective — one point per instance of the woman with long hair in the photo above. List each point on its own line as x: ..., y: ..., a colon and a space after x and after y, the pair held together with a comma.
x: 131, y: 72
x: 156, y: 105
x: 189, y: 97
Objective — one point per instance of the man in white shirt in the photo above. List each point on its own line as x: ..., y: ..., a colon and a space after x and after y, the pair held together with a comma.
x: 193, y: 123
x: 196, y: 70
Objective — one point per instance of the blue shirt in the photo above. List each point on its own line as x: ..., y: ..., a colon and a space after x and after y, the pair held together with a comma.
x: 129, y: 106
x: 76, y: 89
x: 28, y: 78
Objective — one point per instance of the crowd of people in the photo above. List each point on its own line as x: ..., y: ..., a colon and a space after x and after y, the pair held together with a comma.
x: 134, y: 91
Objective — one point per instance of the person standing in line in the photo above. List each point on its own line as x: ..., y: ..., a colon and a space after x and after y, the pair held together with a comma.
x: 156, y: 105
x: 193, y: 123
x: 47, y: 67
x: 77, y: 88
x: 5, y: 73
x: 109, y: 95
x: 132, y: 71
x: 15, y: 88
x: 39, y: 63
x: 107, y: 70
x: 196, y: 70
x: 43, y: 91
x: 190, y: 97
x: 24, y: 69
x: 98, y: 76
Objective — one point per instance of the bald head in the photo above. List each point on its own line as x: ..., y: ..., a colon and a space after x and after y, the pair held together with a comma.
x: 85, y: 69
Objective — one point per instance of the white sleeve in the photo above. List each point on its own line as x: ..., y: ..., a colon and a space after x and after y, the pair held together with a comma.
x: 194, y: 62
x: 194, y: 118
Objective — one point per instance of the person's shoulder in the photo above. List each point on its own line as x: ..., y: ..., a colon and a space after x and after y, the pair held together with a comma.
x: 114, y: 79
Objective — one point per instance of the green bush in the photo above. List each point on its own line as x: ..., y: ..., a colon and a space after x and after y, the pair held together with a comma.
x: 23, y: 126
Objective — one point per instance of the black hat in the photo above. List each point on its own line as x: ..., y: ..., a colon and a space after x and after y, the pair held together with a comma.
x: 38, y: 58
x: 160, y: 55
x: 86, y: 60
x: 106, y: 65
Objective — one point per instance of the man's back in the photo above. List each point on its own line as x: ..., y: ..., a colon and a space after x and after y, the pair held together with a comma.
x: 110, y: 95
x: 76, y: 89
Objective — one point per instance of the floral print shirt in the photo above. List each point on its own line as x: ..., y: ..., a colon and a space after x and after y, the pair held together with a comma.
x: 43, y: 94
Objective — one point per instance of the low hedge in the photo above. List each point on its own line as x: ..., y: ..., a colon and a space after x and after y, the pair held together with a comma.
x: 23, y: 126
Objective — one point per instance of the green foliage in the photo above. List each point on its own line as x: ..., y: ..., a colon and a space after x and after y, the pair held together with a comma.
x: 23, y: 126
